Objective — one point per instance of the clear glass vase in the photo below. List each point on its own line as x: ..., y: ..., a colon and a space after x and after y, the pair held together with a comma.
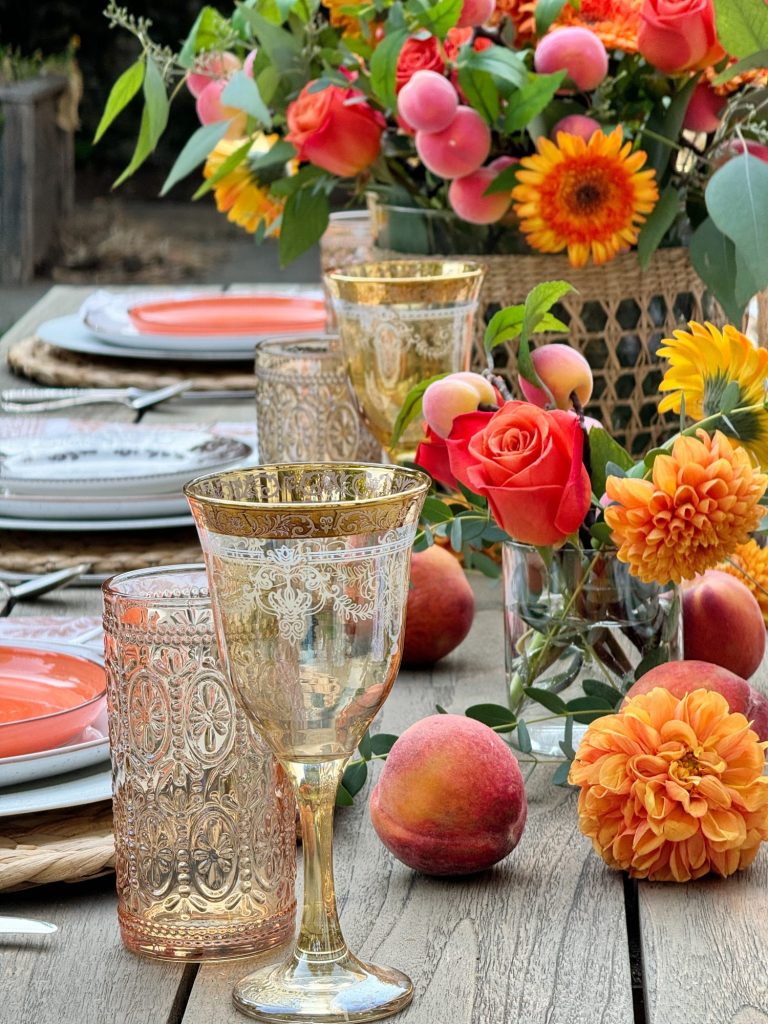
x: 579, y: 629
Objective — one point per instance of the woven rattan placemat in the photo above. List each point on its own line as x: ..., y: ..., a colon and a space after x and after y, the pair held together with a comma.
x: 47, y: 364
x: 27, y: 551
x: 58, y: 846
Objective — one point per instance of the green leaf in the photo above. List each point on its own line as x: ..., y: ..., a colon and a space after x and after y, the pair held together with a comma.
x: 713, y: 256
x: 436, y: 511
x: 730, y: 397
x: 546, y: 698
x: 754, y: 60
x: 507, y: 324
x: 604, y: 450
x: 667, y: 123
x: 142, y: 150
x: 411, y: 407
x: 654, y: 657
x: 588, y: 709
x: 232, y: 161
x: 242, y: 93
x: 283, y: 49
x: 523, y: 737
x: 530, y: 99
x: 602, y: 534
x: 537, y: 304
x: 343, y: 797
x: 195, y: 151
x: 384, y: 66
x: 121, y: 94
x: 547, y: 11
x: 660, y: 220
x: 207, y: 30
x: 481, y: 92
x: 597, y: 688
x: 456, y: 535
x: 496, y: 716
x: 485, y: 564
x: 305, y: 218
x: 566, y: 743
x: 440, y: 710
x: 560, y: 775
x: 742, y: 26
x: 382, y: 743
x: 155, y: 102
x: 507, y: 68
x: 737, y: 201
x: 354, y: 777
x: 438, y: 18
x: 503, y: 182
x: 364, y: 747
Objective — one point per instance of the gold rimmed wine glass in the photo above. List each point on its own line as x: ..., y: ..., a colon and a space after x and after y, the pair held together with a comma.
x: 309, y: 568
x: 402, y: 322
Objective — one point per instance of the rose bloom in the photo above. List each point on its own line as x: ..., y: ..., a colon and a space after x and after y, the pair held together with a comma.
x: 678, y: 35
x: 528, y: 463
x: 418, y: 55
x: 334, y: 129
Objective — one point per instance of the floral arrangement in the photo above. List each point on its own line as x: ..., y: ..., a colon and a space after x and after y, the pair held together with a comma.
x: 550, y: 125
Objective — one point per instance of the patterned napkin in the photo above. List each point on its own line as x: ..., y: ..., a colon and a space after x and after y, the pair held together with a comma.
x: 60, y: 629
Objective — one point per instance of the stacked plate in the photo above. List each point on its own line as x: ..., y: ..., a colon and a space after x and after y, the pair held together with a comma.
x: 184, y: 326
x: 121, y: 477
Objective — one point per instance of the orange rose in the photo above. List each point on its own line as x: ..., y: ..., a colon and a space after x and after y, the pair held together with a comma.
x: 335, y: 129
x: 678, y: 35
x: 528, y: 463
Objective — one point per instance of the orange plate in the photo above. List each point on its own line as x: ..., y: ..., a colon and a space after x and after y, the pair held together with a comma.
x: 231, y: 314
x: 47, y: 698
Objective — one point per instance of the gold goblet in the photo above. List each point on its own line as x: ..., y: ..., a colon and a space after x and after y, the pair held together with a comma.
x: 402, y: 322
x: 308, y: 568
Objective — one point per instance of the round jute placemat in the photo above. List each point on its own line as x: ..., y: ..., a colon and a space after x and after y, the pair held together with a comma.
x: 27, y: 551
x: 57, y: 846
x: 48, y: 364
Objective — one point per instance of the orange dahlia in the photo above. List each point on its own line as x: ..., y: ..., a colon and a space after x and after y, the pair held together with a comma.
x: 522, y: 14
x: 673, y: 788
x: 701, y: 502
x: 586, y: 197
x: 239, y: 193
x: 749, y: 563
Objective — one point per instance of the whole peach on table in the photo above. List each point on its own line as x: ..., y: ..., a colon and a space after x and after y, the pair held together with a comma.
x: 682, y: 677
x: 468, y: 199
x: 576, y: 124
x: 440, y: 607
x: 449, y: 397
x: 450, y: 799
x: 723, y: 623
x: 427, y: 102
x: 458, y: 149
x: 575, y: 50
x: 563, y: 370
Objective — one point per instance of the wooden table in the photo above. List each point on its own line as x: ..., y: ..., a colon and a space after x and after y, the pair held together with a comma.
x: 550, y: 936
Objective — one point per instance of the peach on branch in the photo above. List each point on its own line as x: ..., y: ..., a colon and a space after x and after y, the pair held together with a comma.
x: 575, y: 50
x: 427, y: 102
x: 561, y: 369
x: 475, y: 12
x: 458, y: 149
x: 450, y: 799
x: 211, y: 109
x: 451, y: 396
x: 723, y: 623
x: 440, y: 608
x: 468, y: 199
x: 682, y: 677
x: 576, y: 124
x: 208, y: 68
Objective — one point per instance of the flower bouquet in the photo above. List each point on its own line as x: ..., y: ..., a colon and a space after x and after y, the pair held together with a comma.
x: 515, y: 125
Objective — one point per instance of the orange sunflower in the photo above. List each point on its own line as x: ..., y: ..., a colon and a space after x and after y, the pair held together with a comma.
x: 239, y: 193
x: 749, y: 563
x: 615, y: 22
x: 673, y: 788
x: 702, y: 501
x: 586, y: 197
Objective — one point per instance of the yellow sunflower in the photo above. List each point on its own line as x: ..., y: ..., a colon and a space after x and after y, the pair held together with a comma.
x: 702, y: 364
x: 586, y: 197
x: 239, y: 193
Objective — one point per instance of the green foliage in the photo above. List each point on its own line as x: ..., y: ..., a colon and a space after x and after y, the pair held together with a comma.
x: 438, y: 18
x: 195, y: 151
x: 495, y: 716
x: 664, y: 127
x: 604, y: 451
x: 660, y: 220
x: 154, y: 118
x: 742, y: 26
x: 384, y: 66
x: 121, y: 94
x: 305, y: 218
x: 207, y: 33
x: 713, y: 256
x: 411, y: 407
x: 242, y: 93
x: 530, y: 99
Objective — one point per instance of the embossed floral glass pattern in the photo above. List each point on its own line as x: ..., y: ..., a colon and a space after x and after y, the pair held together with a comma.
x: 306, y: 410
x: 205, y: 835
x: 402, y: 322
x: 309, y: 569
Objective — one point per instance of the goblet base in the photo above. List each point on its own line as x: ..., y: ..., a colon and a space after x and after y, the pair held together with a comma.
x: 322, y: 992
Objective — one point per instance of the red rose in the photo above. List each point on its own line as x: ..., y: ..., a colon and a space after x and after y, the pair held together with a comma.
x: 528, y: 463
x: 432, y: 455
x: 678, y: 35
x: 418, y: 54
x: 334, y: 129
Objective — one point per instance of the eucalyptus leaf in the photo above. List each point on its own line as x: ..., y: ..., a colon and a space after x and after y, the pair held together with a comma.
x: 524, y: 737
x: 435, y: 511
x: 496, y: 716
x: 546, y: 698
x: 242, y: 93
x: 713, y: 256
x: 485, y: 564
x: 737, y: 201
x: 156, y: 101
x: 195, y: 151
x: 560, y: 776
x: 566, y: 743
x: 588, y: 709
x: 121, y: 94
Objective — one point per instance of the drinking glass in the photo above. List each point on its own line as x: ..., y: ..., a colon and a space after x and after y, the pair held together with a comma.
x: 309, y: 572
x: 305, y: 408
x: 402, y: 322
x: 205, y: 831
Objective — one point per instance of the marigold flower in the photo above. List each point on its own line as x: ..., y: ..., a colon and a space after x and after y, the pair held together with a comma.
x: 749, y: 563
x: 701, y: 502
x: 673, y: 788
x: 702, y: 364
x: 239, y: 194
x: 586, y: 197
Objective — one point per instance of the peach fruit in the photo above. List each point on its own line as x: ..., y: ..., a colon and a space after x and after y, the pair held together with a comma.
x: 458, y: 149
x: 450, y: 799
x: 209, y: 106
x: 576, y: 124
x: 475, y: 12
x: 681, y: 677
x: 575, y: 50
x: 440, y: 608
x: 453, y: 395
x: 468, y: 199
x: 208, y: 67
x: 704, y: 109
x: 722, y: 623
x: 563, y: 370
x: 427, y: 102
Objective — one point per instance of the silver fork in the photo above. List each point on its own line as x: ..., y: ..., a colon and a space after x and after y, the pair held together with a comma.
x: 134, y: 398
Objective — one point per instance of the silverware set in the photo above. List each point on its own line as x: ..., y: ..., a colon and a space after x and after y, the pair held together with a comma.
x: 138, y: 399
x: 9, y: 595
x: 25, y: 926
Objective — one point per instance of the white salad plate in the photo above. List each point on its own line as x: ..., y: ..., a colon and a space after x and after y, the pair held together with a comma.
x: 60, y: 508
x: 70, y: 333
x: 112, y: 461
x: 90, y: 749
x: 75, y: 789
x: 107, y: 525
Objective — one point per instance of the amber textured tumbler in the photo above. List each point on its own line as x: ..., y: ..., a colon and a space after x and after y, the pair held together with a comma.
x: 205, y: 838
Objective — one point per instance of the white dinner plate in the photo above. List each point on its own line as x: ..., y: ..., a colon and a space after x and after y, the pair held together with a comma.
x: 68, y: 332
x: 85, y: 786
x: 114, y: 460
x: 90, y: 749
x: 107, y: 525
x: 98, y: 507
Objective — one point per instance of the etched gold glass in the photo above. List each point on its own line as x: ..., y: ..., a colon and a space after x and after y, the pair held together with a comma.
x: 305, y: 408
x: 402, y: 322
x: 205, y: 834
x: 309, y: 572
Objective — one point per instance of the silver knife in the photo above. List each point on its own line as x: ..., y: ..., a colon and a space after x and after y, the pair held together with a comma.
x: 18, y: 925
x: 107, y: 394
